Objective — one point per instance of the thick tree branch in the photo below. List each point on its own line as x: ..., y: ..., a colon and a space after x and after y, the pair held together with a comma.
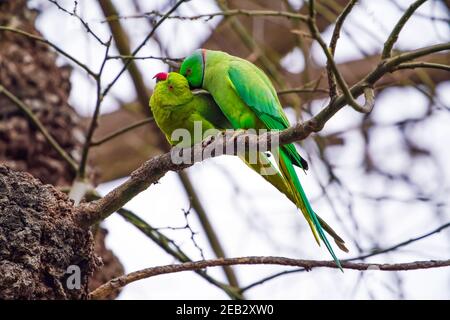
x: 112, y: 285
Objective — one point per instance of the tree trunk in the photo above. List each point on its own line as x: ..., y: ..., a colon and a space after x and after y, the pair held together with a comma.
x: 33, y: 232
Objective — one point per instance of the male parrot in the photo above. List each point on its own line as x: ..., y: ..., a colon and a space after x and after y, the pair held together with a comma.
x: 174, y: 106
x: 248, y: 99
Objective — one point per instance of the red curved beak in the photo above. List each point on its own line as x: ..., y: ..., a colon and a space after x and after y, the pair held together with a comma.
x: 161, y: 76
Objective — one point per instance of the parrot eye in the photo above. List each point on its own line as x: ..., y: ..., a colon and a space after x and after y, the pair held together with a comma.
x: 170, y: 87
x: 188, y: 72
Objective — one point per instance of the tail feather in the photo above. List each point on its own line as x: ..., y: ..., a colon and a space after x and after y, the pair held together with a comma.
x: 288, y: 171
x: 284, y: 185
x: 262, y: 166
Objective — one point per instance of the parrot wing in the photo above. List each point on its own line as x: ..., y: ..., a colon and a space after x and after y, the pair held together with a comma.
x: 254, y: 88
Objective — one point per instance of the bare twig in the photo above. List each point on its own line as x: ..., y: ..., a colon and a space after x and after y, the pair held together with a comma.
x: 389, y: 44
x: 173, y: 62
x: 142, y: 44
x: 51, y: 44
x: 225, y: 13
x: 121, y: 131
x: 74, y: 13
x: 301, y: 90
x: 123, y: 46
x: 333, y: 42
x: 38, y: 124
x: 192, y: 232
x: 401, y: 244
x: 94, y: 120
x: 333, y: 67
x: 122, y: 281
x: 420, y: 64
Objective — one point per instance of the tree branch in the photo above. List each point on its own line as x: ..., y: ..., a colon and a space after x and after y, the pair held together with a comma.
x: 173, y: 62
x: 121, y: 131
x: 94, y: 120
x: 123, y: 46
x: 389, y: 44
x: 420, y: 64
x: 142, y: 44
x: 122, y: 281
x: 225, y: 13
x: 333, y: 67
x: 333, y: 42
x: 84, y: 23
x: 54, y: 46
x: 375, y: 252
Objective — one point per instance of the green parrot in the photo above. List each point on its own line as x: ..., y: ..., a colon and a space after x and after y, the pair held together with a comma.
x: 174, y: 106
x: 248, y: 100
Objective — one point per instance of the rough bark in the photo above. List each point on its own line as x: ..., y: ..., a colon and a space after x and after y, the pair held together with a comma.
x: 113, y: 268
x: 28, y: 69
x: 39, y: 241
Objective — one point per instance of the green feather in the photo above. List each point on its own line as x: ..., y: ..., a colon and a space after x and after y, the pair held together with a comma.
x: 309, y: 213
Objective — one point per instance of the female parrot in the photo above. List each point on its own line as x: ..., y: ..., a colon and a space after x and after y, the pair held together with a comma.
x: 248, y: 99
x: 174, y: 106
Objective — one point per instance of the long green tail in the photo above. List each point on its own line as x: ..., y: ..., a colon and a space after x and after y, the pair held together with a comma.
x: 288, y: 171
x: 279, y: 182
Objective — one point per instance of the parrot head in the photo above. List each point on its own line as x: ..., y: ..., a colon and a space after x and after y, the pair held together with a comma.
x: 193, y: 68
x: 173, y: 86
